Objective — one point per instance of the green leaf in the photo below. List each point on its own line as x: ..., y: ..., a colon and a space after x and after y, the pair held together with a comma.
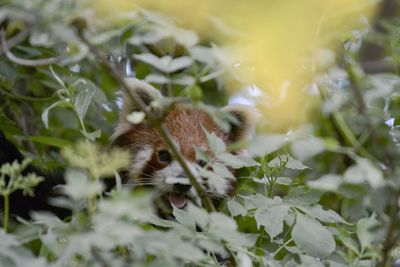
x: 302, y: 196
x: 201, y: 154
x: 82, y: 102
x: 184, y: 218
x: 105, y: 36
x: 248, y: 160
x: 364, y: 171
x: 328, y: 182
x: 166, y: 64
x: 7, y: 239
x: 237, y: 161
x: 150, y: 59
x: 221, y: 170
x: 58, y: 79
x: 332, y: 263
x: 199, y: 215
x: 45, y: 114
x: 259, y: 201
x: 212, y: 246
x: 186, y: 251
x: 215, y: 181
x: 346, y: 238
x: 216, y: 144
x: 295, y: 164
x: 185, y: 80
x: 79, y: 186
x: 272, y: 218
x: 283, y: 180
x: 266, y: 144
x: 235, y: 208
x: 225, y: 228
x: 311, y: 237
x: 194, y: 92
x: 291, y: 163
x: 202, y: 54
x: 52, y: 141
x: 82, y: 85
x: 157, y: 78
x: 307, y: 148
x: 307, y: 261
x: 180, y: 63
x: 8, y: 126
x: 93, y: 135
x: 327, y: 216
x: 365, y: 231
x: 185, y: 37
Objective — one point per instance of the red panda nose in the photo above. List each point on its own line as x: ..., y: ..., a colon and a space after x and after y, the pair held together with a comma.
x: 182, y: 188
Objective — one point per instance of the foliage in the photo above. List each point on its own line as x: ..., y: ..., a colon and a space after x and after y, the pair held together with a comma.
x: 12, y: 180
x: 323, y: 194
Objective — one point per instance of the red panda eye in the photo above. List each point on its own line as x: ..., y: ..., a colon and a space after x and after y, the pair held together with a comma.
x: 164, y: 156
x: 202, y: 163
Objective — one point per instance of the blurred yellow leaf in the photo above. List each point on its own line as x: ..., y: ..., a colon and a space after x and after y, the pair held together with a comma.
x: 279, y: 46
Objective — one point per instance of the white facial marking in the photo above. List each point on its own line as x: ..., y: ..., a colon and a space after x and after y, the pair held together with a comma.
x: 173, y: 170
x: 140, y: 159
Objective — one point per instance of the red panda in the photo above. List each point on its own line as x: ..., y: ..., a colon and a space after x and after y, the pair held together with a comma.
x: 152, y: 162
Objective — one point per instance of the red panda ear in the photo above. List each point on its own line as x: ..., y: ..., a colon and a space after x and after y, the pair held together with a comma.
x: 145, y: 91
x: 246, y: 118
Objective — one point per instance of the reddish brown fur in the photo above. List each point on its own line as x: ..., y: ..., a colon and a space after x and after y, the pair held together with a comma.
x: 185, y: 127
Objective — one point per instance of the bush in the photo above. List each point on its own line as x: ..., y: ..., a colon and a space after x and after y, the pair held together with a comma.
x: 324, y: 194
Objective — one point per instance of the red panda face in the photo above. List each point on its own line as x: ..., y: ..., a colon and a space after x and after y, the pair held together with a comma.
x: 152, y: 162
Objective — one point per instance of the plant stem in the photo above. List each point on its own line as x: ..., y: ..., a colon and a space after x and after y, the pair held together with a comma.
x: 17, y: 39
x: 6, y: 212
x: 284, y: 245
x: 92, y: 204
x: 391, y: 238
x: 362, y: 108
x: 26, y: 62
x: 345, y: 132
x: 271, y: 187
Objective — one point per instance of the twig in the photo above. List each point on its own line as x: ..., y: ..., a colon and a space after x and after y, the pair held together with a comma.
x: 17, y: 39
x: 362, y: 108
x: 25, y: 62
x: 356, y: 86
x: 344, y: 130
x: 153, y: 120
x: 390, y: 241
x: 6, y: 215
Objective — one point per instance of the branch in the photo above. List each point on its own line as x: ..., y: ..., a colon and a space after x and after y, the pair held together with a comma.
x: 153, y: 120
x: 25, y: 62
x: 391, y: 239
x: 356, y: 86
x: 17, y: 39
x: 344, y: 131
